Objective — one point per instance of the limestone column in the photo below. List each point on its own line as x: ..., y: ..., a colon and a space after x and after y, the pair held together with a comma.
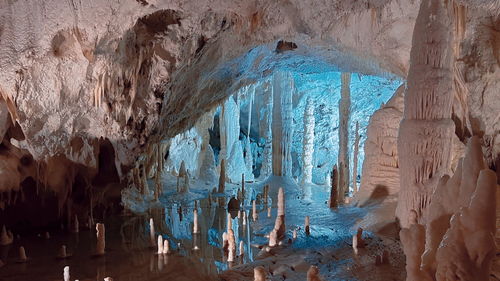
x: 344, y: 114
x: 425, y: 134
x: 282, y: 130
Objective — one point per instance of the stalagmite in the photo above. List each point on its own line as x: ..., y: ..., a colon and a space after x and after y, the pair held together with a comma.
x: 225, y: 244
x: 359, y: 237
x: 160, y: 244
x: 334, y: 190
x: 229, y: 223
x: 313, y: 274
x: 308, y: 142
x: 355, y: 161
x: 278, y: 231
x: 6, y: 238
x: 268, y: 212
x: 343, y: 157
x: 254, y: 211
x: 259, y: 274
x: 166, y: 247
x: 66, y: 275
x: 244, y: 217
x: 22, y: 255
x: 76, y: 225
x: 195, y: 221
x: 222, y: 177
x: 273, y: 238
x: 101, y: 244
x: 355, y: 243
x: 282, y: 125
x: 231, y: 246
x: 281, y: 202
x: 152, y: 235
x: 294, y: 234
x: 306, y: 225
x: 426, y: 131
x: 242, y: 248
x: 63, y: 253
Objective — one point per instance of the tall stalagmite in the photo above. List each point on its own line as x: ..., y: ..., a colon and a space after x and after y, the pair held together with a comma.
x: 308, y: 143
x: 426, y: 131
x: 282, y: 126
x: 344, y: 115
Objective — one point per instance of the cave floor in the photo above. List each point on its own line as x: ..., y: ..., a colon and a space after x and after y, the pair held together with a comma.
x: 130, y: 255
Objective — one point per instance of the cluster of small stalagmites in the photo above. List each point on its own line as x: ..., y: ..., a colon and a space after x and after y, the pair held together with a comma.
x: 357, y: 240
x: 163, y: 246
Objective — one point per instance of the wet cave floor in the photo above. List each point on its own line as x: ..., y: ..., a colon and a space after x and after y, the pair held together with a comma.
x: 130, y: 254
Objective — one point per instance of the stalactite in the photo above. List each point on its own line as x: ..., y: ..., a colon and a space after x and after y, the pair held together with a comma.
x: 282, y: 129
x: 344, y: 115
x: 355, y: 161
x: 334, y: 190
x: 308, y: 143
x: 425, y: 134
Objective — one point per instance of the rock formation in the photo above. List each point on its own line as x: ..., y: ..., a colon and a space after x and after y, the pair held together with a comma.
x: 458, y: 236
x: 381, y: 165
